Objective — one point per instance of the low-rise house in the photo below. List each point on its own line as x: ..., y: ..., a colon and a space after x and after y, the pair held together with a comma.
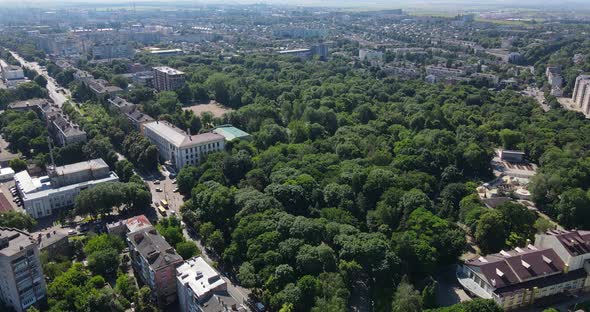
x: 231, y: 133
x: 155, y: 261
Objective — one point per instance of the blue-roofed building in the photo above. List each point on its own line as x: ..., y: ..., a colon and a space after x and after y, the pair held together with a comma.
x: 230, y: 133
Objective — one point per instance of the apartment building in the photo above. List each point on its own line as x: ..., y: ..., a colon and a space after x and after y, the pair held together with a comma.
x: 155, y: 261
x: 558, y: 263
x: 112, y: 50
x: 181, y: 148
x: 581, y: 94
x: 444, y: 72
x: 63, y: 130
x: 201, y: 288
x: 124, y: 227
x: 11, y: 72
x: 167, y: 78
x: 553, y: 74
x: 46, y: 195
x: 370, y: 55
x: 21, y: 275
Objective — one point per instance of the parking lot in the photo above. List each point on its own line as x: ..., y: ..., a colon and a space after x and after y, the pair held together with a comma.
x: 7, y: 188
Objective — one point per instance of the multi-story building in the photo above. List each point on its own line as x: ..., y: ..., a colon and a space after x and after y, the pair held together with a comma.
x: 155, y: 261
x: 121, y: 105
x: 573, y: 247
x: 201, y: 288
x: 124, y: 227
x: 46, y: 195
x: 63, y: 130
x: 169, y: 52
x: 137, y: 119
x: 553, y: 74
x: 112, y: 50
x: 101, y: 87
x: 558, y: 263
x: 21, y: 275
x: 181, y: 148
x: 444, y: 72
x: 370, y: 55
x: 581, y: 94
x: 167, y: 79
x: 144, y: 78
x: 11, y: 72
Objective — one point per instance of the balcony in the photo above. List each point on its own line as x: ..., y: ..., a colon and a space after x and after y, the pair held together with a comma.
x: 471, y: 286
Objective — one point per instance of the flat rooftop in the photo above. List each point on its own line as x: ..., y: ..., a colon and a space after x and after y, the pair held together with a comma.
x: 200, y: 277
x: 12, y: 241
x: 166, y: 51
x: 168, y: 70
x: 294, y: 51
x: 230, y: 133
x: 94, y: 164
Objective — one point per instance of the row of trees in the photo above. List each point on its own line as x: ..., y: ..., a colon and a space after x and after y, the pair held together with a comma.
x: 101, y: 199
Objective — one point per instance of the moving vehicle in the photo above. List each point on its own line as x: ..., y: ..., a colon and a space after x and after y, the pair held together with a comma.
x: 161, y: 210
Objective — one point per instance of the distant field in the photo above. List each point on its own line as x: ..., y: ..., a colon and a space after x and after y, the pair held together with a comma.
x: 215, y: 108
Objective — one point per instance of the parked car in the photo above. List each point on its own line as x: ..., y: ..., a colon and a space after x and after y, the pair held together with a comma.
x: 157, y: 182
x: 72, y: 232
x: 158, y: 190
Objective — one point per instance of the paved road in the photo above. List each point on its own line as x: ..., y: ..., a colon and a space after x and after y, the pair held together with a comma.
x: 539, y: 96
x: 175, y: 201
x: 52, y: 86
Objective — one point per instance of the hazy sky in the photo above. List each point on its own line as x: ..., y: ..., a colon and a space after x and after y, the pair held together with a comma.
x: 409, y: 4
